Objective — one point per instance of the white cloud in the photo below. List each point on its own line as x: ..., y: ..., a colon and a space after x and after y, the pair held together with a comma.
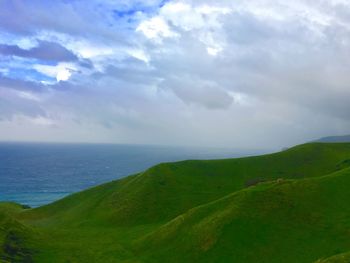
x: 62, y: 72
x: 4, y: 71
x: 139, y: 54
x: 156, y: 28
x: 28, y: 96
x: 190, y: 17
x: 213, y: 51
x: 42, y: 121
x: 26, y: 43
x: 241, y: 98
x: 256, y: 73
x: 201, y: 20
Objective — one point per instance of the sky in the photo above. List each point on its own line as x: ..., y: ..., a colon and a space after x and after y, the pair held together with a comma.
x: 239, y: 74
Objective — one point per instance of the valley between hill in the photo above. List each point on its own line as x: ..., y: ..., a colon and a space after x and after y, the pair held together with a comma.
x: 291, y: 206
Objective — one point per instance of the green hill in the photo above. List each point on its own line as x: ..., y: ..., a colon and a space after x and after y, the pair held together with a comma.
x: 341, y: 258
x: 285, y: 221
x: 290, y: 206
x: 14, y: 236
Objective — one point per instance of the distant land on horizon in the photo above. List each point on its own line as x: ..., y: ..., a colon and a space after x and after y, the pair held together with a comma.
x: 343, y: 138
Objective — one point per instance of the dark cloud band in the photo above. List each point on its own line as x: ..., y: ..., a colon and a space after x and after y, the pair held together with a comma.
x: 48, y: 51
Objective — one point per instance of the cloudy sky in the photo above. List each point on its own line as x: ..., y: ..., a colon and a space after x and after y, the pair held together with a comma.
x: 245, y: 74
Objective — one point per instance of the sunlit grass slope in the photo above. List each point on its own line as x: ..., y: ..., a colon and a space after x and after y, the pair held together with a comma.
x: 341, y: 258
x: 284, y: 221
x: 290, y: 206
x: 167, y: 190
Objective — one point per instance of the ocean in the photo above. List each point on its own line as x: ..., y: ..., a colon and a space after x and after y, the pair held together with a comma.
x: 35, y: 174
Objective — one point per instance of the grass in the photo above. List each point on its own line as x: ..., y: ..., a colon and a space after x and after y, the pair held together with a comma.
x: 290, y: 206
x: 289, y: 221
x: 341, y: 258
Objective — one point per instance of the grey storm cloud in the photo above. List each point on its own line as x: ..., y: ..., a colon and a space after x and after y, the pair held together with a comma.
x: 19, y: 84
x: 197, y: 91
x: 11, y: 108
x: 260, y: 73
x: 44, y: 51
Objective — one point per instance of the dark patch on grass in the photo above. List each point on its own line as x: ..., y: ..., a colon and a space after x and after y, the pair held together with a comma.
x: 162, y: 183
x: 254, y: 181
x: 14, y: 248
x: 342, y: 165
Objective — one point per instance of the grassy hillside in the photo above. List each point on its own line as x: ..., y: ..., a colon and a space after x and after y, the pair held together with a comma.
x: 341, y: 258
x: 16, y: 239
x: 167, y: 190
x: 285, y: 207
x: 285, y: 221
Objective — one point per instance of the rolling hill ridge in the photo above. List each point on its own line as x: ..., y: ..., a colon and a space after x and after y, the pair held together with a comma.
x: 290, y: 206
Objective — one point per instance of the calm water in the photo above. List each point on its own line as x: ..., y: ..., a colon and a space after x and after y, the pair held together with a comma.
x: 37, y: 174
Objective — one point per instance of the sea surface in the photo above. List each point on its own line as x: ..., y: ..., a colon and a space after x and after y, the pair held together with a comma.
x: 39, y: 173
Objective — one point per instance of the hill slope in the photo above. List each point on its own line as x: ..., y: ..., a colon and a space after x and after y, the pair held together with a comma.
x: 206, y: 211
x: 285, y: 221
x: 167, y: 190
x: 14, y: 236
